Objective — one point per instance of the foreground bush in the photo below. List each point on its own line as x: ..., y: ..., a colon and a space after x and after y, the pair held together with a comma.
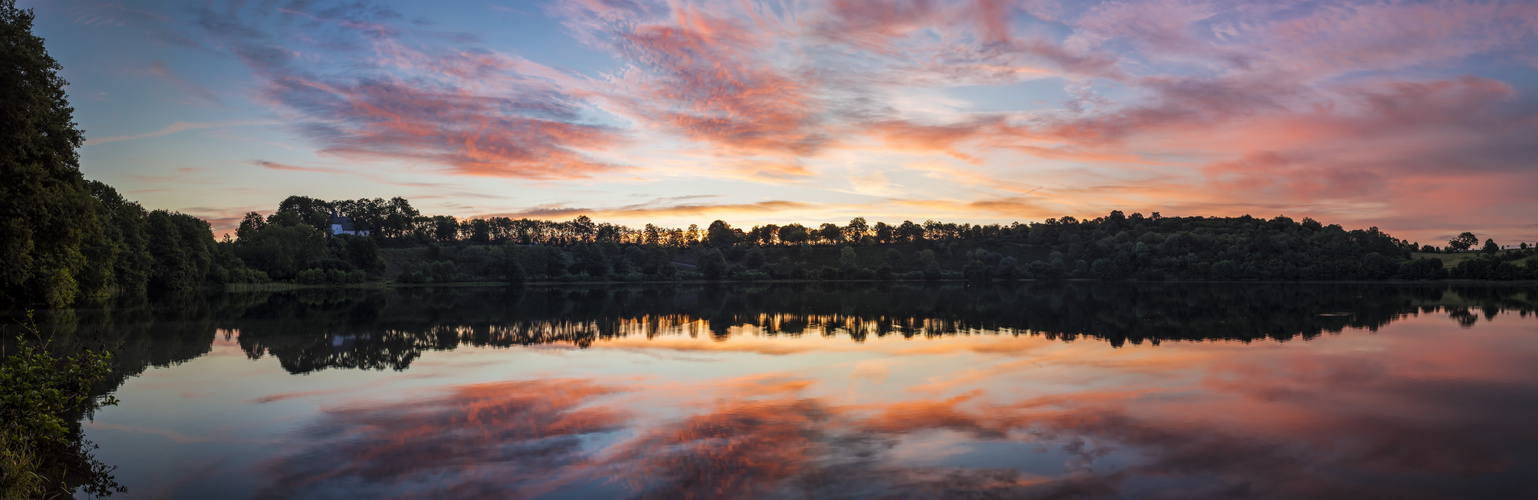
x: 42, y: 454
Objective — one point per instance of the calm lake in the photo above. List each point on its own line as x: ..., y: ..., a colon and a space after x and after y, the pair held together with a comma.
x: 1035, y: 390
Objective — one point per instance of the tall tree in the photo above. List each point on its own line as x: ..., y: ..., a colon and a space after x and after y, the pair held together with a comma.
x: 830, y: 232
x: 794, y: 234
x: 720, y: 234
x: 856, y: 229
x: 46, y: 212
x: 124, y: 224
x: 713, y: 264
x: 312, y: 211
x: 1464, y: 241
x: 909, y: 231
x: 883, y: 232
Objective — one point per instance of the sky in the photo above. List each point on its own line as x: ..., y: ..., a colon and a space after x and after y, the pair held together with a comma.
x: 1419, y: 118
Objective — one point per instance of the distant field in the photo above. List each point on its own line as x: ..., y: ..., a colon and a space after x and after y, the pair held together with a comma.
x: 1452, y: 259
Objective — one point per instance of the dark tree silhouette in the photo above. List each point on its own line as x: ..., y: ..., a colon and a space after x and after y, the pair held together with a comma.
x: 1463, y: 242
x: 47, y: 215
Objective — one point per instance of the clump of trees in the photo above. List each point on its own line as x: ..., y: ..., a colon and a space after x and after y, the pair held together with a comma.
x: 293, y: 245
x: 1494, y: 264
x: 63, y: 238
x: 1113, y: 247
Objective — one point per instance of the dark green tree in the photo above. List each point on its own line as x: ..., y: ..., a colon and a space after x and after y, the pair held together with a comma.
x: 720, y: 234
x: 848, y: 261
x: 445, y: 228
x: 883, y: 232
x: 512, y: 270
x: 754, y: 258
x: 713, y: 264
x: 181, y: 247
x: 909, y: 231
x: 590, y: 260
x: 856, y: 229
x: 121, y: 258
x: 659, y: 263
x: 311, y: 211
x: 1463, y: 242
x: 975, y: 270
x: 480, y: 231
x: 830, y: 233
x: 794, y: 234
x: 252, y: 223
x: 47, y: 214
x: 362, y: 252
x: 281, y: 250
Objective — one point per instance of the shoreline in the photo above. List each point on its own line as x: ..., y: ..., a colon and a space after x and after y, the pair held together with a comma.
x: 391, y: 285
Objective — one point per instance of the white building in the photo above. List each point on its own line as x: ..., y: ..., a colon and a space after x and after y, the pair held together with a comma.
x: 344, y: 225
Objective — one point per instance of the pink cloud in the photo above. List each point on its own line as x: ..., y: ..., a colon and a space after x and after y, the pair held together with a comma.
x: 702, y: 78
x: 421, y: 97
x: 1345, y: 110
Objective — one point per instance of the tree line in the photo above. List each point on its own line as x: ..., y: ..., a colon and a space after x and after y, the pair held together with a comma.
x: 64, y: 238
x: 139, y: 250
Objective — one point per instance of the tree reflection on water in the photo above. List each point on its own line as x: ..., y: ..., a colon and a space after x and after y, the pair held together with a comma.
x: 1413, y: 416
x: 311, y: 330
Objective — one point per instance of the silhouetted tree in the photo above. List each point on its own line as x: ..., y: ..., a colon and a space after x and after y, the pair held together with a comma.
x: 1463, y: 242
x: 720, y: 234
x: 46, y: 212
x: 794, y: 234
x: 856, y: 229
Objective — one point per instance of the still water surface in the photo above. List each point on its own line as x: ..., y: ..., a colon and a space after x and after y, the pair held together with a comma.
x: 1029, y: 391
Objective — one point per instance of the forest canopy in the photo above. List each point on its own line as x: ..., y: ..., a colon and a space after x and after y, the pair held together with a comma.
x: 1117, y: 246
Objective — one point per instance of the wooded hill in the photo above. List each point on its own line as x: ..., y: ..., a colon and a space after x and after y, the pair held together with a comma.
x: 404, y: 246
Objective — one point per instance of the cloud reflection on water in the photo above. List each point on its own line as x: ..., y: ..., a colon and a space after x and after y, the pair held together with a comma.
x: 476, y: 440
x: 1274, y: 421
x: 1041, y: 391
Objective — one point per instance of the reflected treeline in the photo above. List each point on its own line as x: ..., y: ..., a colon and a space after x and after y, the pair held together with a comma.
x: 309, y: 330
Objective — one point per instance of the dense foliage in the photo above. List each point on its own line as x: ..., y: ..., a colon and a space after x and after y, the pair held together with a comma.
x: 63, y: 238
x: 41, y: 452
x: 440, y: 249
x: 1114, y: 247
x: 295, y: 244
x: 46, y: 213
x: 1494, y: 264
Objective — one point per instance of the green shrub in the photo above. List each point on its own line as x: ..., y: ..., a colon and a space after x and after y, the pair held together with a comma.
x: 42, y: 396
x: 311, y: 277
x: 443, y: 271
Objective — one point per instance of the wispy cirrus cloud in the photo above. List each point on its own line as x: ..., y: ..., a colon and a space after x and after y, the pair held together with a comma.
x: 361, y: 82
x: 175, y: 128
x: 92, y: 13
x: 197, y: 92
x: 272, y: 165
x: 644, y: 211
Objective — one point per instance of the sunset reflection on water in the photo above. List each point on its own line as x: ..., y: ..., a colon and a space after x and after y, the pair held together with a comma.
x: 1420, y: 408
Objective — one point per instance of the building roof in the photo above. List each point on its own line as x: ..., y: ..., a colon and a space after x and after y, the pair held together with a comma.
x: 343, y: 224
